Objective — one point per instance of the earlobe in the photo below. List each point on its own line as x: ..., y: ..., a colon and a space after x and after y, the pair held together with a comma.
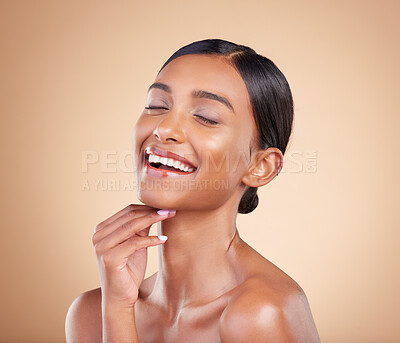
x: 266, y: 165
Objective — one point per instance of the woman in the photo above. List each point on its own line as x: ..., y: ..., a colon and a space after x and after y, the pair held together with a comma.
x: 215, y: 127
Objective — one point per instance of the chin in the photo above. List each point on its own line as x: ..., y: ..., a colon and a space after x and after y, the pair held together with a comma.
x: 158, y: 199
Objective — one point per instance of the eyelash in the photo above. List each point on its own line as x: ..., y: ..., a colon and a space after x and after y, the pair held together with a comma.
x: 208, y: 121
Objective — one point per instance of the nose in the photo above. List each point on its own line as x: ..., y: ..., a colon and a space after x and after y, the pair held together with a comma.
x: 169, y: 129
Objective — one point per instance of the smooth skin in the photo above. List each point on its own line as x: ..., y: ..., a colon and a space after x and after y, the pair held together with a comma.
x: 211, y: 286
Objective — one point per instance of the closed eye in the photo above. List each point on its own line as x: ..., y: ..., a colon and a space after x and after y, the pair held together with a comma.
x: 206, y: 120
x: 155, y: 108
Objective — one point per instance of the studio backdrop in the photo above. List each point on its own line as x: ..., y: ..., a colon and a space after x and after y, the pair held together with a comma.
x: 73, y: 82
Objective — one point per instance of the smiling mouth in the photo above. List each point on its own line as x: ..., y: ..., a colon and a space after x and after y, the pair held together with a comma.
x: 168, y: 165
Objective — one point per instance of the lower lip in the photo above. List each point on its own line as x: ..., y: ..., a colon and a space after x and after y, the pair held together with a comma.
x: 148, y: 169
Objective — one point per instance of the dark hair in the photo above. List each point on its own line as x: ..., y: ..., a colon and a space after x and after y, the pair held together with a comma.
x: 269, y: 93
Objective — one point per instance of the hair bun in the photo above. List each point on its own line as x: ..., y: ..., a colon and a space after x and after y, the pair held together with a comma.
x: 249, y: 201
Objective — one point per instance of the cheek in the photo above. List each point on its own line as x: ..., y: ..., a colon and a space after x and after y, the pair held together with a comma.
x: 141, y: 131
x: 223, y: 157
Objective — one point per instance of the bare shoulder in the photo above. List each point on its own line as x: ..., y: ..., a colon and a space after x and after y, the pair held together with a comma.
x: 83, y: 322
x: 83, y: 319
x: 261, y: 313
x: 268, y: 306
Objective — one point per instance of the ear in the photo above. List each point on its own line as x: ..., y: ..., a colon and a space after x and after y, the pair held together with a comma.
x: 266, y: 164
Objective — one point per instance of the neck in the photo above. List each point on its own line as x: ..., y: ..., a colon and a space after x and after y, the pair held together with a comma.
x: 195, y: 264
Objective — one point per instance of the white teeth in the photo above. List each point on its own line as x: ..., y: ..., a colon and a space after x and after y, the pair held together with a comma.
x: 168, y: 162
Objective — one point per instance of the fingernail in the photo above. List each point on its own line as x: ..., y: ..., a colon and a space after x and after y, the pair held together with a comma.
x: 162, y: 212
x: 172, y: 211
x: 163, y: 238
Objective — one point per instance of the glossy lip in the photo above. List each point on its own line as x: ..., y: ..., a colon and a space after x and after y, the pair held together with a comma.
x: 148, y: 169
x: 164, y: 153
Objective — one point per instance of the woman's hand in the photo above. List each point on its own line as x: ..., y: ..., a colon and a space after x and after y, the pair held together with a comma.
x: 121, y: 243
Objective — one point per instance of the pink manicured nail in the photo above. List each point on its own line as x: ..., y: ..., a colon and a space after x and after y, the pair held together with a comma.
x: 162, y: 212
x: 163, y: 238
x: 172, y: 211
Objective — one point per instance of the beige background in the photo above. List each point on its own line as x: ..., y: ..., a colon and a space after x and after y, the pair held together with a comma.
x: 73, y: 79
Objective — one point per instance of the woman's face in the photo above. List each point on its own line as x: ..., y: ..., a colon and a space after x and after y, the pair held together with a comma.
x: 213, y: 138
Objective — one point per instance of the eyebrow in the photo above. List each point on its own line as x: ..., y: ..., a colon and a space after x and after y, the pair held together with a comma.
x: 197, y: 93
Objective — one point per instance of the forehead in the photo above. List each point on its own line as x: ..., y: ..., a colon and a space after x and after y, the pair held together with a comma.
x: 208, y: 73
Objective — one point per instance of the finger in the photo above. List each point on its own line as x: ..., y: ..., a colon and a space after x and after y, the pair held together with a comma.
x: 144, y: 232
x: 120, y: 213
x: 127, y: 248
x: 124, y: 218
x: 129, y: 229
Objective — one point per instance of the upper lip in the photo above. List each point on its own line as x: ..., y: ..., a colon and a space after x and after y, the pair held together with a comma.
x: 168, y: 154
